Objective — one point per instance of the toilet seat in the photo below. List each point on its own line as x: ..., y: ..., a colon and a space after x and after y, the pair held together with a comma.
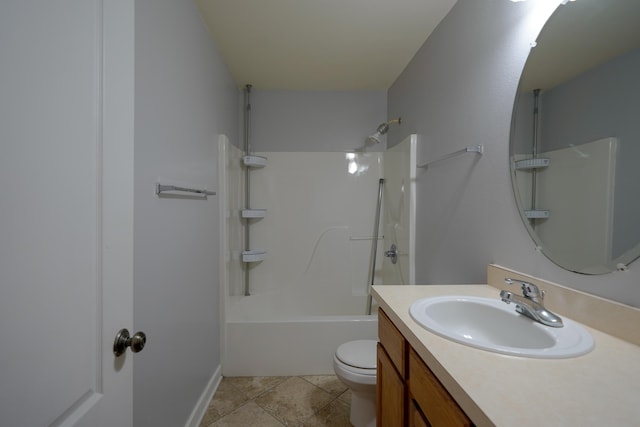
x: 358, y: 356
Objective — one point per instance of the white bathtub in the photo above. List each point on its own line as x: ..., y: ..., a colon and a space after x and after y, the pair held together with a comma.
x: 262, y: 340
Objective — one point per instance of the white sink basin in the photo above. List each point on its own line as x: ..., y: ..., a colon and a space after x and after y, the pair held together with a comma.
x: 492, y: 325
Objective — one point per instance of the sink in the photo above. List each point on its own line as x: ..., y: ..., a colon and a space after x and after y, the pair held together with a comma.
x: 492, y: 325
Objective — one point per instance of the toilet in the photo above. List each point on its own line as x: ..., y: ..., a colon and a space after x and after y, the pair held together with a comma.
x: 355, y: 365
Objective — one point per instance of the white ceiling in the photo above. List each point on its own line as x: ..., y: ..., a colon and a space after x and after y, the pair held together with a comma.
x: 320, y: 44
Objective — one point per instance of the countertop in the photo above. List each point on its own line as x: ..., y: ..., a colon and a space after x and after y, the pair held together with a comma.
x: 600, y: 388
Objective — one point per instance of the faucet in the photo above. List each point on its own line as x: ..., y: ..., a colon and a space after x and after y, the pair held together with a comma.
x: 530, y: 303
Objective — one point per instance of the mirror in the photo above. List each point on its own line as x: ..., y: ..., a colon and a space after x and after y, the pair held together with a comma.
x: 575, y: 137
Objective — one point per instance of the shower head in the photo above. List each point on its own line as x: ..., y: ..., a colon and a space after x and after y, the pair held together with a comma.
x: 382, y: 129
x: 374, y: 138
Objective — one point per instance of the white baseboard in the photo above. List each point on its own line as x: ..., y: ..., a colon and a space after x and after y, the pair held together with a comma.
x: 203, y: 403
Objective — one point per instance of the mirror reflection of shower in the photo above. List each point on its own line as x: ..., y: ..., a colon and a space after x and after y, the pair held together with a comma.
x: 382, y: 129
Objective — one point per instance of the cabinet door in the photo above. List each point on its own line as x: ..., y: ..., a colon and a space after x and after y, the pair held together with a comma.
x: 393, y: 342
x: 432, y: 398
x: 416, y: 419
x: 390, y: 393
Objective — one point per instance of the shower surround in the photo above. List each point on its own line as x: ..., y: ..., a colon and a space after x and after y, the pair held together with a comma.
x: 310, y: 293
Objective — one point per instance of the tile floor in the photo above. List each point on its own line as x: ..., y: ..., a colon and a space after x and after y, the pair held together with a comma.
x: 303, y: 401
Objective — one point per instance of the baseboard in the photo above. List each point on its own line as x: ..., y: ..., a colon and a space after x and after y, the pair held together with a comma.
x: 203, y: 403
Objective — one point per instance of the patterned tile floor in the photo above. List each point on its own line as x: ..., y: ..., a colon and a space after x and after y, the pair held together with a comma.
x: 303, y: 401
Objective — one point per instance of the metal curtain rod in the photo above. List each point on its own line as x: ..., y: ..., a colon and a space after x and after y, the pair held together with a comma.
x: 162, y: 188
x: 478, y: 149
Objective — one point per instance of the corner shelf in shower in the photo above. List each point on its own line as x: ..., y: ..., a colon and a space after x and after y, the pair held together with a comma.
x: 254, y: 213
x: 537, y: 214
x: 255, y: 255
x: 528, y: 164
x: 254, y: 161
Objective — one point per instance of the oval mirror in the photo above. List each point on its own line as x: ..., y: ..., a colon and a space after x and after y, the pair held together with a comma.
x: 575, y: 137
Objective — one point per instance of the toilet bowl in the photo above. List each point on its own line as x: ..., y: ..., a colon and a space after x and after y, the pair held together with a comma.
x: 355, y: 365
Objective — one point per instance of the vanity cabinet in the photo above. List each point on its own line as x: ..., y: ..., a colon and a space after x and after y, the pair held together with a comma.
x: 407, y: 392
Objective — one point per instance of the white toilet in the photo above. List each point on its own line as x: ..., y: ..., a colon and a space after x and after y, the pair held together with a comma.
x: 355, y: 365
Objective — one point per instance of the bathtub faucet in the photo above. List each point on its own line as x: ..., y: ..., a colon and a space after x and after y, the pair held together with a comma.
x: 530, y: 303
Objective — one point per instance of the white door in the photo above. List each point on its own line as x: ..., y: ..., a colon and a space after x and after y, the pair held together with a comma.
x: 66, y: 211
x: 399, y: 213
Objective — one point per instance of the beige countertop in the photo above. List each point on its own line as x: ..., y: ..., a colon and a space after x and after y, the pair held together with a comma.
x: 600, y: 388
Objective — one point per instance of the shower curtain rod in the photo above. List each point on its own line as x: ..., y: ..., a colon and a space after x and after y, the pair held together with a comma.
x: 478, y: 149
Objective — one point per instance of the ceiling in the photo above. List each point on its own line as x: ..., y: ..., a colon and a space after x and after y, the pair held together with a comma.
x: 320, y: 44
x: 580, y: 36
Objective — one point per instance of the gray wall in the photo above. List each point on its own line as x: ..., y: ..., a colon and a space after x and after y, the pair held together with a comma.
x: 293, y: 120
x: 459, y: 90
x: 184, y: 98
x: 601, y: 102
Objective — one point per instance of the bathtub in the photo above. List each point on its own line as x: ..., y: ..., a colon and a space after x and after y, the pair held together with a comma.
x: 265, y: 337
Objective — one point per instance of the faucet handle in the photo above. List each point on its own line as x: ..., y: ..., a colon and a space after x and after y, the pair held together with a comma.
x: 529, y: 290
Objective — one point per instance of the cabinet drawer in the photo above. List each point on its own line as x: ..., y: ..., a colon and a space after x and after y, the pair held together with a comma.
x: 393, y: 342
x: 432, y: 398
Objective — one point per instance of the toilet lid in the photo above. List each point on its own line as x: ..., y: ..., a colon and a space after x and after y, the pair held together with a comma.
x: 359, y: 354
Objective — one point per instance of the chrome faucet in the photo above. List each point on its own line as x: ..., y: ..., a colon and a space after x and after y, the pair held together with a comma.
x: 530, y: 303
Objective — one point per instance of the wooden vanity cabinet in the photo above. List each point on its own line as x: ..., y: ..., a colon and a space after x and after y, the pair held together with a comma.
x: 407, y: 392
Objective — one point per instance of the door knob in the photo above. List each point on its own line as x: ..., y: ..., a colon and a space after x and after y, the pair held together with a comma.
x: 124, y: 340
x: 392, y: 253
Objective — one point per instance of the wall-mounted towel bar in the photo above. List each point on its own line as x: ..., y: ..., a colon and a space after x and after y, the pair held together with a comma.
x: 160, y: 188
x: 478, y: 149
